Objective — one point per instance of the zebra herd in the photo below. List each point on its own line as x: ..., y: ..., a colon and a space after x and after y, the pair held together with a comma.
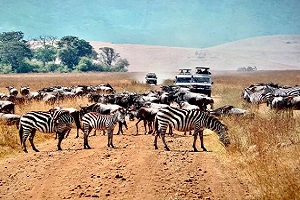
x: 176, y: 108
x: 274, y: 95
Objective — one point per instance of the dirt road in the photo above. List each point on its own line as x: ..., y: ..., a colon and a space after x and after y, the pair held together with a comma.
x: 133, y: 170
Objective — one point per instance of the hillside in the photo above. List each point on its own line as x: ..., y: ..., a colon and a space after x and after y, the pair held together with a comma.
x: 268, y: 52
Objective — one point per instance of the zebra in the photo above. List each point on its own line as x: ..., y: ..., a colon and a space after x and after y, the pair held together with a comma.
x: 283, y: 92
x: 95, y: 120
x: 258, y: 97
x: 185, y: 120
x: 47, y: 122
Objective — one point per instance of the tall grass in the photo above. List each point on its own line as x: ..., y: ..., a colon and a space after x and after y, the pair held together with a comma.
x: 265, y: 147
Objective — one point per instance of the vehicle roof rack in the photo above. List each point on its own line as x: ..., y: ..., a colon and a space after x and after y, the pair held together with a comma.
x: 202, y: 67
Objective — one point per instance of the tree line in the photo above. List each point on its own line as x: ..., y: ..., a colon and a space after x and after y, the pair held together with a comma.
x: 47, y: 54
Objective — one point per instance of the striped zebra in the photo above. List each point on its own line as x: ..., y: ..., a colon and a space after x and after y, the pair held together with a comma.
x: 186, y: 120
x: 58, y: 122
x: 95, y: 120
x: 257, y: 97
x: 283, y: 91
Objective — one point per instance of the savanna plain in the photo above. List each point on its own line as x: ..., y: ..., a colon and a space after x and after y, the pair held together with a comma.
x: 262, y: 161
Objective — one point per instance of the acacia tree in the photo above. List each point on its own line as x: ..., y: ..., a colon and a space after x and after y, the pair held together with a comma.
x: 112, y: 60
x: 108, y: 55
x: 14, y: 50
x: 44, y: 40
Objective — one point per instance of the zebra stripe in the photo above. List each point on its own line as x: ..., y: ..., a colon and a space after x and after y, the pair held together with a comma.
x: 46, y: 122
x: 95, y: 120
x: 291, y: 91
x: 256, y: 97
x: 186, y: 120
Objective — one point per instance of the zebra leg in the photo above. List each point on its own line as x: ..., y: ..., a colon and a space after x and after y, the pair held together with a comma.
x: 77, y: 134
x: 201, y: 139
x: 86, y: 131
x: 60, y: 138
x: 23, y: 138
x: 155, y: 140
x: 194, y: 142
x: 170, y: 130
x: 31, y: 137
x: 164, y: 142
x: 110, y: 138
x: 120, y: 130
x: 68, y: 132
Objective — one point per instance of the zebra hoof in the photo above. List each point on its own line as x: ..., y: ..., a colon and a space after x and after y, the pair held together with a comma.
x: 155, y: 147
x: 204, y: 149
x: 167, y: 148
x: 25, y: 150
x: 196, y: 150
x: 36, y: 150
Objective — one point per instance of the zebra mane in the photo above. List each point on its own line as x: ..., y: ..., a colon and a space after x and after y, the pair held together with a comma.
x: 58, y: 113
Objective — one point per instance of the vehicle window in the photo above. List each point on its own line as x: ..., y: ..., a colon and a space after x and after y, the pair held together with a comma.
x: 183, y: 80
x: 201, y: 80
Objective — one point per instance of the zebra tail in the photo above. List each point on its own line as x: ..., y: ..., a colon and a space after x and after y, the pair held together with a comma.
x: 21, y: 133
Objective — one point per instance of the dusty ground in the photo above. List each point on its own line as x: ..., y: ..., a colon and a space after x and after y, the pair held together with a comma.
x: 133, y: 170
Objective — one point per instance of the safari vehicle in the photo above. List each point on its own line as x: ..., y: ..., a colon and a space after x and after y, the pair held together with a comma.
x: 201, y: 81
x: 151, y: 78
x: 184, y: 77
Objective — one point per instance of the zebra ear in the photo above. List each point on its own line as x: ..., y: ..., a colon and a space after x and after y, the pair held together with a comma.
x: 52, y: 110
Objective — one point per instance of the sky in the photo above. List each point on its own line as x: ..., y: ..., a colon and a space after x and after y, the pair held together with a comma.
x: 176, y: 23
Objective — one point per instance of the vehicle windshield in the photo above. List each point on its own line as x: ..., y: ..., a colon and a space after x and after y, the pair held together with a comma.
x: 151, y: 75
x: 201, y: 80
x: 183, y: 80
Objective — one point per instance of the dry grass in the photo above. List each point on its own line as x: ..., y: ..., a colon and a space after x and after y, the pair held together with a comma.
x: 266, y: 148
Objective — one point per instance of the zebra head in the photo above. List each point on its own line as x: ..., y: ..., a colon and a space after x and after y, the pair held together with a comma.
x: 223, y: 135
x: 246, y: 94
x: 62, y: 119
x: 216, y: 125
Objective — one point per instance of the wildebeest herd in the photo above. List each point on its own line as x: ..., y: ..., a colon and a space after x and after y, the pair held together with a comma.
x: 168, y: 108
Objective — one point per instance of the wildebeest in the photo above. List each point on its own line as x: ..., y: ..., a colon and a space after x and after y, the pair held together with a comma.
x: 12, y: 90
x: 10, y: 119
x: 7, y: 107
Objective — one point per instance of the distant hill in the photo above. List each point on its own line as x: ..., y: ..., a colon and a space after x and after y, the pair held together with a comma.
x: 278, y: 52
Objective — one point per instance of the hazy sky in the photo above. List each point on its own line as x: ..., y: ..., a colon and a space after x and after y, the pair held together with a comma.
x: 181, y: 23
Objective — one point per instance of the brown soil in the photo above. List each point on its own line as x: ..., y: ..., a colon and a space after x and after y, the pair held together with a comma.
x: 133, y: 170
